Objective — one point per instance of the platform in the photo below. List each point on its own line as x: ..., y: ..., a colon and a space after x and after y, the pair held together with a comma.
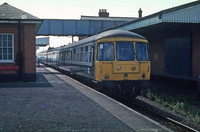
x: 56, y: 102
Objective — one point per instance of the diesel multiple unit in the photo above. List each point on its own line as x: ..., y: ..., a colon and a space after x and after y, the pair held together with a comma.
x: 112, y: 56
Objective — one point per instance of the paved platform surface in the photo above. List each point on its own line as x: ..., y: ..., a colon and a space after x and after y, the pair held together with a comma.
x: 56, y: 102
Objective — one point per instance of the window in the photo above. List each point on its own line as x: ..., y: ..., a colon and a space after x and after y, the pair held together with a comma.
x: 6, y: 48
x: 90, y: 59
x: 69, y: 55
x: 81, y: 54
x: 141, y: 51
x: 63, y: 55
x: 74, y: 55
x: 86, y: 54
x: 78, y: 57
x: 106, y: 52
x: 125, y: 51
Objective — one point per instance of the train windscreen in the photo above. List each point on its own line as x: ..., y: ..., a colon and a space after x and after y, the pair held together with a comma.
x: 125, y: 51
x: 141, y: 51
x: 106, y: 52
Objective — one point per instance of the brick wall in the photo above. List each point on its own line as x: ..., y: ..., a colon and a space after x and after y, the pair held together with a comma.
x: 27, y: 41
x: 156, y: 52
x: 29, y: 49
x: 10, y: 28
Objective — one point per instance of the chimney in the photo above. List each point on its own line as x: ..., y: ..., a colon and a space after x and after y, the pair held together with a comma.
x: 140, y: 13
x: 103, y: 13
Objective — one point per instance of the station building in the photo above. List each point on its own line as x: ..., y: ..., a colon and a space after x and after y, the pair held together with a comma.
x: 174, y: 37
x: 17, y: 44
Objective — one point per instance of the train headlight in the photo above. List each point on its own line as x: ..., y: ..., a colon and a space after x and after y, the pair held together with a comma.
x: 119, y: 68
x: 106, y: 76
x: 143, y: 76
x: 133, y: 68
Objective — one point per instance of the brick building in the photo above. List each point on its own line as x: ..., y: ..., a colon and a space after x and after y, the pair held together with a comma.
x: 17, y: 44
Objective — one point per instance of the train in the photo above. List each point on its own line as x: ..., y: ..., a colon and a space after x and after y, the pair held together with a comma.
x: 113, y: 58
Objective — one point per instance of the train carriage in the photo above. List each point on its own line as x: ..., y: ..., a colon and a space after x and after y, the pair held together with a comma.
x: 109, y: 57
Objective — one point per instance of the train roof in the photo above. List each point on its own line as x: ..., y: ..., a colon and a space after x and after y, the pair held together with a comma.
x: 106, y: 34
x: 117, y: 33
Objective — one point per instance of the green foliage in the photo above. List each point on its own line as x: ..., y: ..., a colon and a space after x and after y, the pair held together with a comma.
x: 186, y: 105
x: 197, y: 119
x: 150, y: 95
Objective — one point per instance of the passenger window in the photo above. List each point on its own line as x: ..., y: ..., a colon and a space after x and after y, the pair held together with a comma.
x: 81, y: 54
x: 69, y: 55
x: 65, y: 56
x: 61, y: 58
x: 90, y: 59
x: 141, y: 51
x: 86, y: 54
x: 106, y: 52
x: 74, y: 55
x: 78, y: 57
x: 125, y: 51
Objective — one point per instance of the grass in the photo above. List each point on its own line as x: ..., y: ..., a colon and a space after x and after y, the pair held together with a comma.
x: 186, y: 105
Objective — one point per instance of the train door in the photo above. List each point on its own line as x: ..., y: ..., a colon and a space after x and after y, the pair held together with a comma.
x: 105, y: 55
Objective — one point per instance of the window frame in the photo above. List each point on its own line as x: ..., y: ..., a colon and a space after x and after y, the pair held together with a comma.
x: 119, y: 54
x: 83, y: 53
x: 97, y: 57
x: 147, y: 54
x: 1, y: 48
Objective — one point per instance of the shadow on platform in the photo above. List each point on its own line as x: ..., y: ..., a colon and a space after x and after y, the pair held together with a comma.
x: 41, y: 81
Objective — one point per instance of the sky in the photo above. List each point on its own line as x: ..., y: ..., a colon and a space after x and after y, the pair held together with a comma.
x: 73, y: 9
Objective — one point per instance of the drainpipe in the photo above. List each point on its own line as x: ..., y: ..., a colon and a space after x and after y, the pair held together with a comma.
x: 19, y: 54
x: 198, y: 85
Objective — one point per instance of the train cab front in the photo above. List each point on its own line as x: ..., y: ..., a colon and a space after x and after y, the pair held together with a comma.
x: 122, y: 61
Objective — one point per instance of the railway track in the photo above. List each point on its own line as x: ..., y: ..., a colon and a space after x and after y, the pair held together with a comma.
x: 164, y: 120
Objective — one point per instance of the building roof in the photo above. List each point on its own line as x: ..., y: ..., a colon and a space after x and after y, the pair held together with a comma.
x: 108, y: 18
x: 9, y: 12
x: 187, y: 13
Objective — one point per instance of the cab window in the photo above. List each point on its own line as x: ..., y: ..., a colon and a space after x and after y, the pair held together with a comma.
x: 106, y: 52
x: 125, y: 51
x: 141, y: 51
